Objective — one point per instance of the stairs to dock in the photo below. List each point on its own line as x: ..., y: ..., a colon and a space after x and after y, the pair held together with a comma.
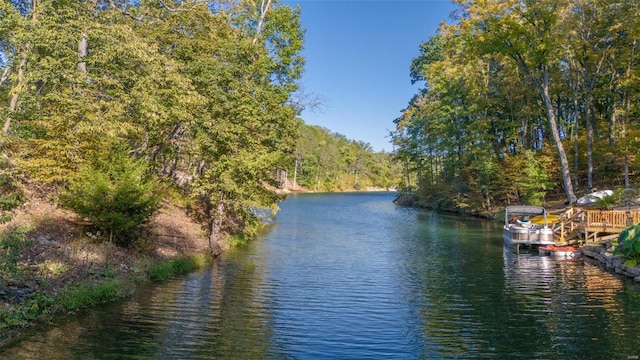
x: 579, y: 226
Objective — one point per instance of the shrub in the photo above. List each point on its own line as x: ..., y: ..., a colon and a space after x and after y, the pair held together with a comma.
x: 85, y: 295
x: 606, y: 203
x: 180, y: 266
x: 534, y: 182
x: 12, y: 243
x: 10, y: 195
x: 116, y: 195
x: 629, y: 243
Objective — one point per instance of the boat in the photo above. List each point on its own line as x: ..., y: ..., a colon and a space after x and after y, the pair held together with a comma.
x: 594, y: 197
x: 520, y: 229
x: 560, y: 252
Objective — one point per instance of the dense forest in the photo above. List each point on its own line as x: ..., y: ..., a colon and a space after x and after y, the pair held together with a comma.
x: 327, y: 161
x: 524, y: 100
x: 110, y: 103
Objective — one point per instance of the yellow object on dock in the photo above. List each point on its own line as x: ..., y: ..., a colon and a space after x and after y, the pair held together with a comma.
x: 539, y: 219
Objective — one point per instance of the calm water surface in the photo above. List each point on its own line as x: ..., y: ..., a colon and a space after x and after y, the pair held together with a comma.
x: 352, y: 276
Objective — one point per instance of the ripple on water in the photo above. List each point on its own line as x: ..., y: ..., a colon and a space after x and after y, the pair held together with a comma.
x: 351, y: 276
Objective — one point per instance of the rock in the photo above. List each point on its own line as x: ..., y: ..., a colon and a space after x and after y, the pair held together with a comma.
x: 48, y: 241
x: 616, y: 261
x: 636, y: 279
x: 16, y: 294
x: 634, y: 270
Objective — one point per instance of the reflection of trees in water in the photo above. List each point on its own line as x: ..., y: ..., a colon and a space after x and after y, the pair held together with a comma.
x: 220, y: 313
x: 578, y: 307
x: 451, y: 270
x: 189, y: 318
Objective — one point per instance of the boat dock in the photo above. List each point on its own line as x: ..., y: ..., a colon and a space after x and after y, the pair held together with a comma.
x: 579, y: 226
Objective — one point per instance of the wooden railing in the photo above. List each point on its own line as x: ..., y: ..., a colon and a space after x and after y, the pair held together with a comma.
x: 570, y: 221
x: 587, y: 224
x: 614, y: 219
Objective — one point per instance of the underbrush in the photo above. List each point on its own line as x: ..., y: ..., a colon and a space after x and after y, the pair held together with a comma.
x: 53, y: 263
x: 40, y: 306
x: 12, y: 242
x: 176, y: 267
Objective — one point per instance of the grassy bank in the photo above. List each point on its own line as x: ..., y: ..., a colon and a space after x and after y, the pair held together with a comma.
x: 42, y: 306
x: 52, y: 263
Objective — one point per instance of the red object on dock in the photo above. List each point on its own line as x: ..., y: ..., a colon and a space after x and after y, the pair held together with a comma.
x: 568, y: 252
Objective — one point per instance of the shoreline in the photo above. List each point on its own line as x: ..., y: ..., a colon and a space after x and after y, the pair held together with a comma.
x: 53, y: 264
x: 610, y: 262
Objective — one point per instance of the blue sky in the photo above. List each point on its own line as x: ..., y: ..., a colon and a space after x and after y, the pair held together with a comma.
x: 358, y: 54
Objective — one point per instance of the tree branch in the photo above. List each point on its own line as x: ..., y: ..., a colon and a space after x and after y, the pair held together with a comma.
x: 264, y: 8
x: 125, y: 12
x: 5, y: 74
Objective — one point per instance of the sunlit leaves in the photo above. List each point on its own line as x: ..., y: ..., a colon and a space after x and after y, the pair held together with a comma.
x: 192, y: 91
x: 509, y: 77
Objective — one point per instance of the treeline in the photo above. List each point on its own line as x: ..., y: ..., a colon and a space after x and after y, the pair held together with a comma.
x: 107, y: 100
x: 327, y: 161
x: 523, y: 99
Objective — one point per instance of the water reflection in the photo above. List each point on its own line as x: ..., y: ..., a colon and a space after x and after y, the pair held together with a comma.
x: 575, y: 306
x: 206, y: 315
x: 354, y: 277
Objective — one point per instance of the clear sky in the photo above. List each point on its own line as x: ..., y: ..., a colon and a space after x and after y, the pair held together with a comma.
x: 358, y: 54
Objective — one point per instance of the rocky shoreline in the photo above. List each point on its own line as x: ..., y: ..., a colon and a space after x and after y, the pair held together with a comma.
x: 610, y: 262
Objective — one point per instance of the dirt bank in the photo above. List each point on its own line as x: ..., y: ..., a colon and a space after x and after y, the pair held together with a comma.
x: 55, y: 252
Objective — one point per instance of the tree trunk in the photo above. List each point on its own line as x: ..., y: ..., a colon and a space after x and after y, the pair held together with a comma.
x: 17, y: 89
x: 264, y: 8
x: 576, y: 150
x: 407, y: 175
x: 553, y: 123
x: 5, y: 75
x: 82, y: 53
x: 589, y: 125
x: 613, y: 124
x: 627, y: 184
x: 215, y: 234
x: 317, y: 176
x: 543, y: 88
x: 295, y: 174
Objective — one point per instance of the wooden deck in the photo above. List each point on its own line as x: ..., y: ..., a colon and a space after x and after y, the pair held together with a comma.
x: 583, y: 226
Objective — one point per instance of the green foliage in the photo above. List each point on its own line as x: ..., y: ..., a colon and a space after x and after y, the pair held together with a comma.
x: 175, y: 267
x: 10, y: 195
x: 534, y: 182
x: 327, y: 161
x: 606, y: 202
x: 12, y: 243
x: 89, y: 293
x: 116, y: 195
x: 160, y: 273
x: 480, y: 112
x: 629, y: 243
x: 238, y: 239
x: 20, y: 315
x: 631, y: 262
x: 86, y: 295
x: 203, y: 93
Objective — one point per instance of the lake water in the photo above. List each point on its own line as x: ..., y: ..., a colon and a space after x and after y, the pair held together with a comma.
x: 352, y: 276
